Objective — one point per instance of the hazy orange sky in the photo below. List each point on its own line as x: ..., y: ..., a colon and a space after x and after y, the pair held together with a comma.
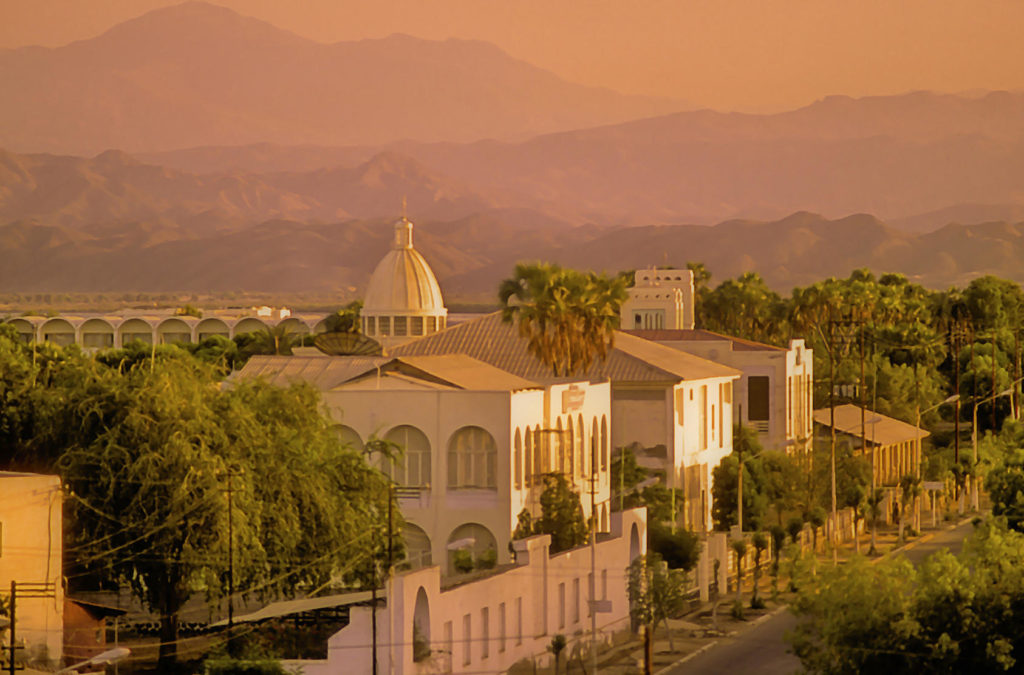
x: 728, y: 54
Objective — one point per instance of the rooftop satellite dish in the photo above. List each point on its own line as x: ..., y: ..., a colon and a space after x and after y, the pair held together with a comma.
x: 347, y: 344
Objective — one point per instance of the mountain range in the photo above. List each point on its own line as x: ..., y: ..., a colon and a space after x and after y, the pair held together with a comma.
x: 196, y: 149
x: 199, y: 74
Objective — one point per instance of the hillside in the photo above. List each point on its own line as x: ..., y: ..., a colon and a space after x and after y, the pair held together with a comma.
x: 200, y: 74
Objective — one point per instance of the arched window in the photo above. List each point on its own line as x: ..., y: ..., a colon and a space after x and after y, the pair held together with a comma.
x: 604, y: 443
x: 595, y: 450
x: 417, y: 546
x: 412, y: 466
x: 538, y: 454
x: 581, y: 460
x: 517, y: 460
x: 565, y: 449
x: 348, y: 436
x: 472, y: 459
x: 529, y: 464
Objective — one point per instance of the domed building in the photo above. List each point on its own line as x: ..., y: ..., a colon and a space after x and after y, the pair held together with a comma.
x: 403, y: 300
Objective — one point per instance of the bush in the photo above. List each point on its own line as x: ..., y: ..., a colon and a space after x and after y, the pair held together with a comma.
x: 487, y: 560
x: 462, y: 560
x: 737, y: 610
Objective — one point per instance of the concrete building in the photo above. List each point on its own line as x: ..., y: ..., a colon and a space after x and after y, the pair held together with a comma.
x: 489, y: 624
x: 31, y: 549
x: 92, y: 330
x: 475, y: 440
x: 659, y: 299
x: 674, y: 405
x: 774, y: 394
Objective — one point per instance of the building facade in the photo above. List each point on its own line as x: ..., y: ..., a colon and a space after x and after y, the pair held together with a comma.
x: 31, y: 553
x: 774, y: 394
x: 475, y: 442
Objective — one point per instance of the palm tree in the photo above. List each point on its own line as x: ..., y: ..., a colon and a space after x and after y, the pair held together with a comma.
x: 568, y: 317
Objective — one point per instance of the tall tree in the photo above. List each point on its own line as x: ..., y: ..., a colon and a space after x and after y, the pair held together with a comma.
x: 568, y: 317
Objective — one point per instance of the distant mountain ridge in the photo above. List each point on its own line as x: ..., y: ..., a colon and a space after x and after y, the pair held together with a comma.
x: 200, y: 74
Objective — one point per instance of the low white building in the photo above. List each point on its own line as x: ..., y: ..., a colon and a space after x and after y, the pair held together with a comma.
x: 489, y: 624
x: 475, y: 441
x: 31, y: 556
x: 774, y: 395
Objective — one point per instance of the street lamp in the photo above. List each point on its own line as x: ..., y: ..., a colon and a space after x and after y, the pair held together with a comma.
x: 920, y: 455
x: 974, y: 437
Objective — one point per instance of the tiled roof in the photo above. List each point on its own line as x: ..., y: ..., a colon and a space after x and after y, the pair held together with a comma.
x: 327, y: 372
x: 498, y: 343
x: 878, y: 428
x: 701, y: 335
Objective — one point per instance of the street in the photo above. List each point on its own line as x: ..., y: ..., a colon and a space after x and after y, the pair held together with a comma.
x: 763, y: 649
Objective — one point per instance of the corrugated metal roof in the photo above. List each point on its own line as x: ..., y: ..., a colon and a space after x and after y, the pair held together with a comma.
x: 498, y: 343
x: 701, y: 335
x: 288, y: 607
x: 884, y: 430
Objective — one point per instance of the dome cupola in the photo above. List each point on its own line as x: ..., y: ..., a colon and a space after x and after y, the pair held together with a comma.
x: 403, y: 299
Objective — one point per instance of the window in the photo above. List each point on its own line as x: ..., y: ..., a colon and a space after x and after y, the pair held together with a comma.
x: 581, y: 460
x: 564, y: 457
x: 519, y: 620
x: 370, y: 324
x: 604, y: 584
x: 417, y: 325
x: 384, y: 325
x: 401, y: 326
x: 431, y: 324
x: 529, y: 459
x: 448, y: 639
x: 721, y: 415
x: 591, y: 594
x: 467, y: 639
x: 517, y: 460
x: 702, y: 415
x: 757, y: 398
x: 412, y: 467
x: 576, y: 600
x: 485, y: 630
x: 472, y: 459
x: 604, y: 443
x: 501, y: 627
x: 561, y: 605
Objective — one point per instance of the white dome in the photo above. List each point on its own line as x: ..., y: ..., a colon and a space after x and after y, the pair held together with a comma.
x: 403, y: 281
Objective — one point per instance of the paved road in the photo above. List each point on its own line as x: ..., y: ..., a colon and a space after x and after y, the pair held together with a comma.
x: 761, y: 649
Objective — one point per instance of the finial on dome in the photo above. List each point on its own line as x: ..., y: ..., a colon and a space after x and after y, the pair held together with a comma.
x: 403, y: 233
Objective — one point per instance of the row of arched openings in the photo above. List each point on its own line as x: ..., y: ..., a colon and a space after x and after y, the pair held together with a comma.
x: 567, y: 449
x: 472, y: 457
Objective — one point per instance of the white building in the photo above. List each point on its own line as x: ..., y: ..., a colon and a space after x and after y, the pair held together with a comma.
x: 31, y: 555
x: 774, y: 395
x: 489, y: 624
x: 475, y: 440
x: 676, y: 405
x: 659, y: 299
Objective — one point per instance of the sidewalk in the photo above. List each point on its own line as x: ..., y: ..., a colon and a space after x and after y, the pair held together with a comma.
x: 695, y: 632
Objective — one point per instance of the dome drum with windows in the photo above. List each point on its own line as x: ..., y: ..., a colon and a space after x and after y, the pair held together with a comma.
x: 403, y: 299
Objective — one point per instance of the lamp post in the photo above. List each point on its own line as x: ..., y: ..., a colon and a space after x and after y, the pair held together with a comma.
x: 920, y: 455
x: 974, y: 438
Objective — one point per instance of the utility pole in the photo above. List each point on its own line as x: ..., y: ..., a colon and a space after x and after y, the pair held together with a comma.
x: 230, y: 490
x: 24, y: 590
x: 593, y: 549
x: 832, y: 430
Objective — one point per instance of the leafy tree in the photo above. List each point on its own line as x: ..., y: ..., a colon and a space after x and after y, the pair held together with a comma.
x: 680, y: 549
x: 561, y: 514
x: 568, y: 317
x: 656, y: 593
x: 1005, y: 485
x: 346, y: 319
x: 725, y: 488
x: 739, y: 547
x: 910, y: 488
x: 953, y: 614
x: 148, y: 479
x: 626, y: 474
